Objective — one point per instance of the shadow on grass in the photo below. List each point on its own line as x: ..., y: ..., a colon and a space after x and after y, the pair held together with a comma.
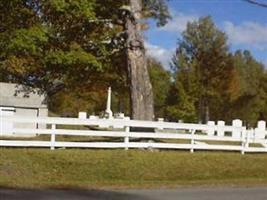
x: 66, y: 194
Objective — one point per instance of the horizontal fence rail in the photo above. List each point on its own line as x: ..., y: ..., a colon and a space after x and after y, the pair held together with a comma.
x: 150, y: 134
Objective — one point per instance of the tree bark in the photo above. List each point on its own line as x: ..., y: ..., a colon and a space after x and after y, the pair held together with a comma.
x: 141, y: 95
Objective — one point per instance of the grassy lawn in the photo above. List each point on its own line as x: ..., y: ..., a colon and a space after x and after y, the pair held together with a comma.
x: 42, y: 168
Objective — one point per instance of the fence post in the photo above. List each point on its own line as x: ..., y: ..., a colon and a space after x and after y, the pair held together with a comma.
x: 53, y: 137
x: 126, y: 138
x: 245, y: 140
x: 192, y: 140
x: 127, y: 131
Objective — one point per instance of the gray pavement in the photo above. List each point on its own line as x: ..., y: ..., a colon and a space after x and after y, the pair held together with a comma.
x: 255, y: 193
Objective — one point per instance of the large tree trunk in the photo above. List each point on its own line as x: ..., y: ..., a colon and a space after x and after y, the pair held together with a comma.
x: 141, y: 94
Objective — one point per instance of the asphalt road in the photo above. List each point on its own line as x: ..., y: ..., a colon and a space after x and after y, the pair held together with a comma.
x: 255, y: 193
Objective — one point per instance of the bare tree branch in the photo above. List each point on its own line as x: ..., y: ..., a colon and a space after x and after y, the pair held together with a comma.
x: 257, y: 3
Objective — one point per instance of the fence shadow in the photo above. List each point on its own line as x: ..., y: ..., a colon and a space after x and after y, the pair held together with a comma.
x: 66, y: 194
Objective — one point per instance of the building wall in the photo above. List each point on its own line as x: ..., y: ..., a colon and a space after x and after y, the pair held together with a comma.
x: 15, y: 95
x: 23, y: 104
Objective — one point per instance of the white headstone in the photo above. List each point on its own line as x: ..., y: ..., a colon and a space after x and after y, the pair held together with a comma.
x: 260, y: 131
x: 93, y: 117
x: 220, y: 125
x: 126, y: 118
x: 261, y: 125
x: 160, y: 119
x: 211, y: 125
x: 82, y: 115
x: 120, y: 116
x: 237, y: 123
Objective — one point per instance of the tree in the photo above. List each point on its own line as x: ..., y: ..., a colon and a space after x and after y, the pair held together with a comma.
x: 161, y: 82
x: 180, y: 105
x: 52, y: 44
x: 202, y: 65
x: 248, y: 95
x: 140, y: 87
x: 57, y: 45
x: 183, y: 93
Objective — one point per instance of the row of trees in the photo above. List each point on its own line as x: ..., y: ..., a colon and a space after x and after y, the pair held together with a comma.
x: 212, y: 83
x: 74, y: 50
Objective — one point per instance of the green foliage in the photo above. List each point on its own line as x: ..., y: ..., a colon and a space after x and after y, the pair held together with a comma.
x: 77, y: 8
x: 202, y: 66
x: 161, y: 81
x: 27, y: 41
x: 158, y: 10
x: 180, y: 105
x: 74, y: 57
x: 45, y: 50
x: 248, y: 98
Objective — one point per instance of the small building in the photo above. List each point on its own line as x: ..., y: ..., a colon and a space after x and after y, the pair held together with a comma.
x: 16, y: 102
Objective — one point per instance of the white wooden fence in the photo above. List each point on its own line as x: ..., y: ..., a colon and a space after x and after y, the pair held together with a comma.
x: 166, y: 135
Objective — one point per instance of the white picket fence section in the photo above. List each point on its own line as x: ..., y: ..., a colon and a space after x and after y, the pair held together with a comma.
x: 186, y: 136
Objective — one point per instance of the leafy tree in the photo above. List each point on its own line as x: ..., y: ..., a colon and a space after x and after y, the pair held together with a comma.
x: 56, y: 45
x: 202, y: 65
x: 248, y: 96
x: 183, y: 93
x: 161, y: 82
x: 180, y: 105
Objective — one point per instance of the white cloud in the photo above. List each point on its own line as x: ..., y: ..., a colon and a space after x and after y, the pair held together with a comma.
x: 161, y: 54
x: 247, y: 33
x: 178, y: 23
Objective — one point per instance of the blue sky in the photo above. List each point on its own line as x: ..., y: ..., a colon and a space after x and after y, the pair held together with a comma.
x: 245, y: 25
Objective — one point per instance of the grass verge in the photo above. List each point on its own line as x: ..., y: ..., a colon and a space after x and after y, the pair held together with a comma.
x: 76, y: 168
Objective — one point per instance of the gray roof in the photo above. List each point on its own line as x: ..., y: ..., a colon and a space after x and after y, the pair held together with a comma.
x: 9, y: 96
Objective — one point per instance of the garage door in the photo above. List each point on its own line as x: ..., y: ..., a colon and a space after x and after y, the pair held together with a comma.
x: 26, y: 112
x: 6, y: 127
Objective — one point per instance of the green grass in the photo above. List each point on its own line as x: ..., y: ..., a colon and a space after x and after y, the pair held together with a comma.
x: 42, y: 168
